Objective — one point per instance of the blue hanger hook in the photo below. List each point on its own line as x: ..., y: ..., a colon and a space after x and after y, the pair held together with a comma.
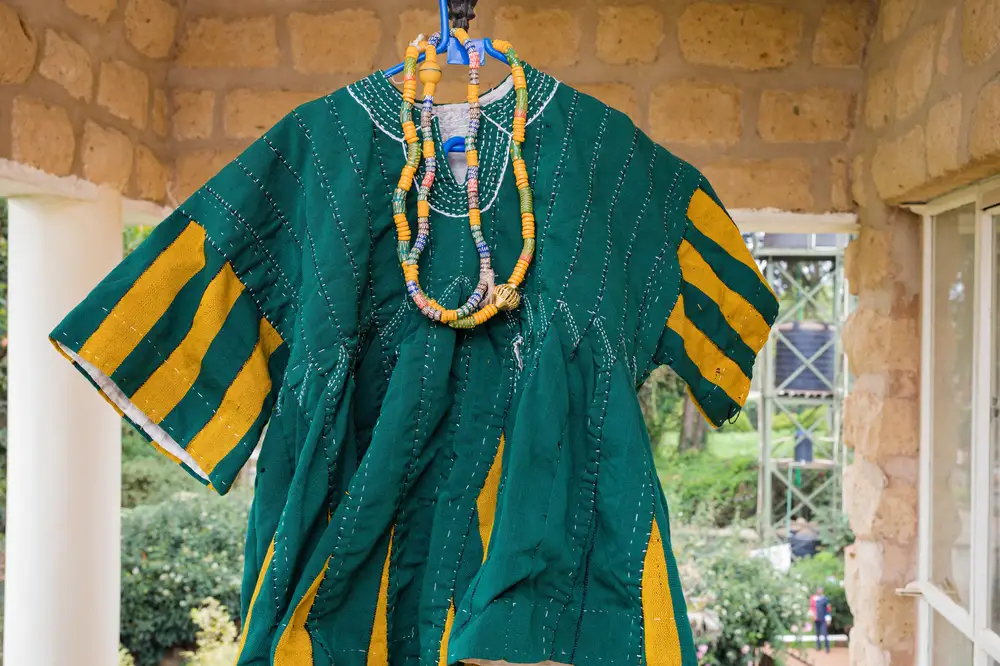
x: 456, y: 51
x: 456, y: 55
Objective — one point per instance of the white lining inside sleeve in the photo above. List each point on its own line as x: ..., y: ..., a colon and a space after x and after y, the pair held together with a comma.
x: 137, y: 416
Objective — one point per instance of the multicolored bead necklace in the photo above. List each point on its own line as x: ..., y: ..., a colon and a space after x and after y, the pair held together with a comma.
x: 488, y: 298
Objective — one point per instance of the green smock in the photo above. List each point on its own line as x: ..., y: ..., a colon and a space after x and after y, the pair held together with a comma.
x: 426, y: 495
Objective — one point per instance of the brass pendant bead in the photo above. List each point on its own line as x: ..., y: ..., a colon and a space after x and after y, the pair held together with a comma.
x: 506, y: 297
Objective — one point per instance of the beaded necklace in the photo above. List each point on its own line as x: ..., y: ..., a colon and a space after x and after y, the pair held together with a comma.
x: 488, y: 298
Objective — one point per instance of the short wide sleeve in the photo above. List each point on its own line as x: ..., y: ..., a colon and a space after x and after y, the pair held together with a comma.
x: 723, y: 314
x: 187, y: 337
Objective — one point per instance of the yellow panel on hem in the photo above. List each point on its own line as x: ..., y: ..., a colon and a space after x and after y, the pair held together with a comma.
x: 295, y: 645
x: 253, y: 599
x: 378, y: 645
x: 486, y: 507
x: 663, y: 646
x: 486, y: 502
x: 448, y: 622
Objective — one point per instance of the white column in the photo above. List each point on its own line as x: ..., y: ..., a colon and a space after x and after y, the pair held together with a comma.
x: 64, y: 447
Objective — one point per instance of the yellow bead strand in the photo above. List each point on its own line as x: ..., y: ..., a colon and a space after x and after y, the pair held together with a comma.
x: 484, y: 303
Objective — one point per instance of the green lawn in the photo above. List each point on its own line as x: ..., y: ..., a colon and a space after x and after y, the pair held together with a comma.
x: 724, y: 444
x: 729, y: 444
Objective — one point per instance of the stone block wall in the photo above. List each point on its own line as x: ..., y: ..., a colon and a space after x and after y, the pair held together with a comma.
x: 762, y: 97
x: 932, y: 100
x: 760, y: 94
x: 82, y: 90
x: 930, y: 123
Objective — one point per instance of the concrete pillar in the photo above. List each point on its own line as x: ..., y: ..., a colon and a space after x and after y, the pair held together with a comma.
x: 64, y: 444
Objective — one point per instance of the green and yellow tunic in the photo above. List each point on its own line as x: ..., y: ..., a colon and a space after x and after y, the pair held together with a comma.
x: 426, y: 495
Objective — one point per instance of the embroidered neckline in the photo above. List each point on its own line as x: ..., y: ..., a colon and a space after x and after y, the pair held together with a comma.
x: 381, y: 100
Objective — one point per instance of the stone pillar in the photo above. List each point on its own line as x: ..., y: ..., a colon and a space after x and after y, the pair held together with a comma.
x: 64, y: 448
x: 882, y: 425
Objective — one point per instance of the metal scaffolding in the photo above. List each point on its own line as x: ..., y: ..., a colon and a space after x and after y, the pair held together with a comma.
x: 799, y: 390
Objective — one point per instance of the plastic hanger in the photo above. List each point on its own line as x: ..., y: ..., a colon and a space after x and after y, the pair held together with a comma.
x: 457, y: 55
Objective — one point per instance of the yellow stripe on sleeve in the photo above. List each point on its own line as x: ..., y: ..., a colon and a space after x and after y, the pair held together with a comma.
x: 486, y: 502
x: 663, y: 645
x: 253, y: 599
x: 295, y: 645
x: 742, y: 316
x: 711, y: 220
x: 146, y: 301
x: 241, y: 404
x: 175, y: 377
x: 713, y: 365
x: 378, y: 645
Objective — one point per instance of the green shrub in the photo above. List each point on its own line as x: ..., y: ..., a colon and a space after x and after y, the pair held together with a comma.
x: 124, y: 658
x: 756, y: 604
x: 826, y: 570
x: 217, y: 636
x: 723, y: 488
x: 174, y: 555
x: 153, y: 480
x: 835, y: 530
x: 704, y: 484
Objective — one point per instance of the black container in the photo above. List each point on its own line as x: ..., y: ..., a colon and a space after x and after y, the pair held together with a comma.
x: 803, y: 447
x: 807, y: 337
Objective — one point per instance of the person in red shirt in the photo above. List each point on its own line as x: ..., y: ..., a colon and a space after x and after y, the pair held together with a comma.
x: 820, y: 613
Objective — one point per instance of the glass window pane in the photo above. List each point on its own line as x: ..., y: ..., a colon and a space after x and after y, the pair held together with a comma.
x: 952, y: 326
x: 949, y: 646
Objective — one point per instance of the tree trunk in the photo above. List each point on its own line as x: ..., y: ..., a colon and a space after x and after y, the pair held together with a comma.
x: 694, y: 428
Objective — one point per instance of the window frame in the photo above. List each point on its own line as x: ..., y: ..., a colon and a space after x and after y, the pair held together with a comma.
x: 974, y: 622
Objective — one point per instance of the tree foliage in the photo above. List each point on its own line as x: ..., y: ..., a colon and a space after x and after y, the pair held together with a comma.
x: 660, y: 398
